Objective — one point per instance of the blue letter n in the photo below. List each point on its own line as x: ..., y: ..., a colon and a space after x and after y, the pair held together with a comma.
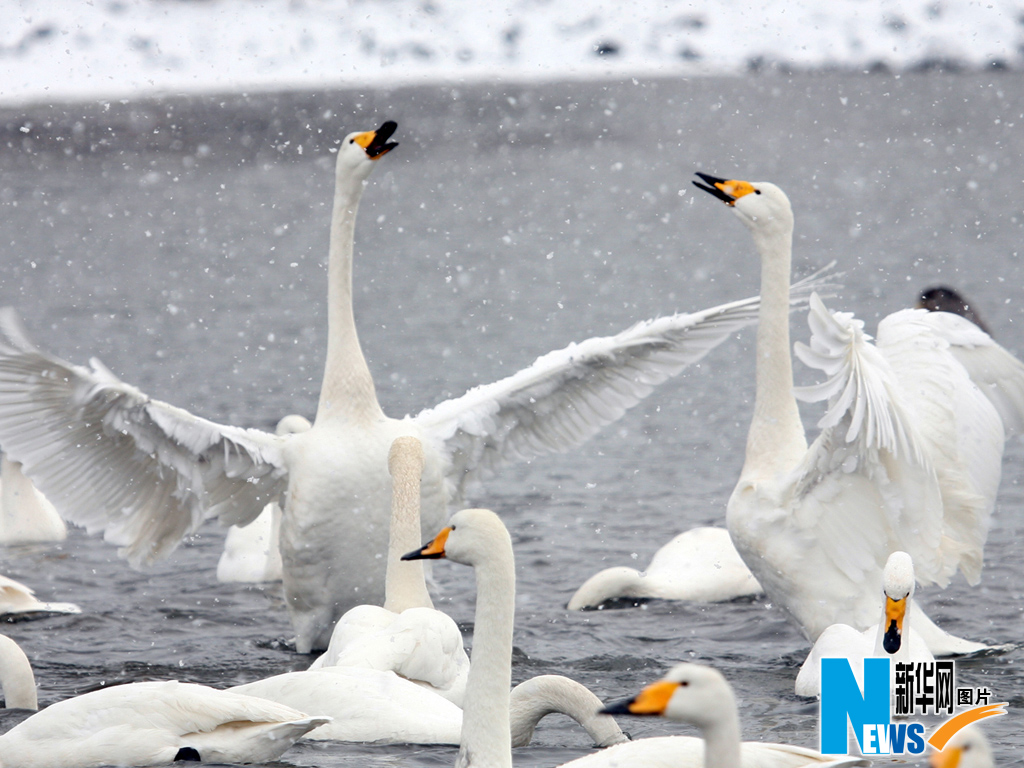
x: 841, y: 699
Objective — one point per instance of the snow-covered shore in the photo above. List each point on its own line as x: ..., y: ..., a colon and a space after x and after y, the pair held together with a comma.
x: 59, y: 50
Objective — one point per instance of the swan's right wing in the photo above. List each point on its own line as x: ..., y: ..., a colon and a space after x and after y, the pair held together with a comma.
x: 112, y: 459
x: 998, y: 374
x: 567, y: 395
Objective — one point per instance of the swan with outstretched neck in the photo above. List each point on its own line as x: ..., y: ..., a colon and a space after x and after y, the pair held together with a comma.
x: 147, y: 473
x: 477, y: 537
x: 141, y: 724
x: 908, y: 457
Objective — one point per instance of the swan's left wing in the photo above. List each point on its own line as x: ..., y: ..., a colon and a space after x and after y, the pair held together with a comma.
x: 567, y: 395
x: 998, y: 374
x: 111, y: 458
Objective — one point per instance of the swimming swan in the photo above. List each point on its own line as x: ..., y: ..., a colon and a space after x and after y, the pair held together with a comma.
x: 700, y: 564
x: 252, y: 552
x: 968, y: 748
x: 478, y: 538
x: 407, y: 635
x: 142, y: 724
x: 16, y: 598
x: 147, y: 473
x: 26, y: 516
x: 908, y: 457
x: 893, y: 636
x: 696, y: 694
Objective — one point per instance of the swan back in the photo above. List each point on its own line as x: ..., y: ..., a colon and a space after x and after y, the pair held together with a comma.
x: 16, y: 676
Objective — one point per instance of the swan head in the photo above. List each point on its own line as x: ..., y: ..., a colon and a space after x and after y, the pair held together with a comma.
x: 691, y: 693
x: 469, y: 538
x: 293, y: 424
x: 760, y: 205
x: 359, y: 150
x: 968, y: 748
x: 898, y: 581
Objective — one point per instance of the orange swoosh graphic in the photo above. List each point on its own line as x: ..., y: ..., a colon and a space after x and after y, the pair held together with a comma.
x: 945, y: 731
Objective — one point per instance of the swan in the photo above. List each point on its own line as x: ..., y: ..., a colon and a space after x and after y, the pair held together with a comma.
x: 142, y: 724
x: 379, y: 707
x: 26, y: 516
x: 893, y: 636
x: 968, y: 748
x: 252, y: 552
x: 700, y: 695
x: 407, y: 635
x: 701, y: 565
x: 908, y: 457
x: 944, y: 299
x: 147, y: 473
x: 16, y: 598
x: 477, y: 537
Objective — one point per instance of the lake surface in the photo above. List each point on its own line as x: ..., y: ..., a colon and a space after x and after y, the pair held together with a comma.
x: 183, y: 243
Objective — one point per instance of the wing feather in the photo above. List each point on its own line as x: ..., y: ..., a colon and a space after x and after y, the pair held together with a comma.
x: 566, y: 396
x: 111, y: 459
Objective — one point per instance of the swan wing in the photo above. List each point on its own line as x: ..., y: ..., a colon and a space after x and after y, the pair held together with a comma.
x: 566, y: 396
x: 875, y: 480
x: 998, y: 374
x: 111, y: 458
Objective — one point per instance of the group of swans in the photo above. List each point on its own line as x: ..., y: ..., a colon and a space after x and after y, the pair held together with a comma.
x: 142, y: 724
x: 477, y: 537
x: 908, y: 458
x: 147, y: 473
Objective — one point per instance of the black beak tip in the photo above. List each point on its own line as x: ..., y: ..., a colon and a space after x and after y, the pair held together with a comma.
x: 891, y: 640
x: 616, y: 708
x: 712, y: 180
x: 387, y: 128
x: 416, y: 554
x: 711, y: 189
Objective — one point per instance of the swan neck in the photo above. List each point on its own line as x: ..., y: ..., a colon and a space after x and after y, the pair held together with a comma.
x: 776, y: 441
x: 486, y: 737
x: 722, y: 741
x: 347, y: 390
x: 404, y: 583
x: 16, y: 676
x: 540, y: 696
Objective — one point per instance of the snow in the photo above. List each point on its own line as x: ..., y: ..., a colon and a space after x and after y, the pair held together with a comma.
x: 55, y: 50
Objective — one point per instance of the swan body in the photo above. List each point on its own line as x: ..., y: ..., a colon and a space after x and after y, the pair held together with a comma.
x: 147, y: 473
x: 407, y: 635
x: 967, y: 748
x: 893, y: 636
x: 26, y: 516
x: 908, y: 457
x: 252, y: 553
x: 141, y: 724
x: 701, y: 565
x: 16, y: 598
x: 478, y: 538
x: 699, y: 695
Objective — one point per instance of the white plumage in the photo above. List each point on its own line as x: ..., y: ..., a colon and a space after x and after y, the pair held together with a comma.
x: 908, y: 457
x: 26, y: 516
x: 16, y: 598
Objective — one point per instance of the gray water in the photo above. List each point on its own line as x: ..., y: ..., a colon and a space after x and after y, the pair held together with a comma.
x: 183, y: 242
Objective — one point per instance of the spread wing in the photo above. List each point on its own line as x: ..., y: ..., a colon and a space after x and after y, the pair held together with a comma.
x: 110, y: 458
x: 568, y: 395
x: 892, y: 468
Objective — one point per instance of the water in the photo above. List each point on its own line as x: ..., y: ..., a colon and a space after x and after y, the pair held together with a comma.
x: 183, y: 243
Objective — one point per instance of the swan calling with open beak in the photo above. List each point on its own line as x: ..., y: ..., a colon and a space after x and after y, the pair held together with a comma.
x: 908, y: 457
x: 147, y: 473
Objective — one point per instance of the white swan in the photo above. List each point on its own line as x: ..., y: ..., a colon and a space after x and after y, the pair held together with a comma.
x: 908, y: 458
x: 252, y: 552
x: 893, y: 636
x: 26, y: 516
x: 407, y: 636
x: 142, y: 724
x: 146, y: 473
x: 696, y: 694
x: 478, y: 538
x: 16, y: 598
x: 701, y: 565
x: 968, y: 748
